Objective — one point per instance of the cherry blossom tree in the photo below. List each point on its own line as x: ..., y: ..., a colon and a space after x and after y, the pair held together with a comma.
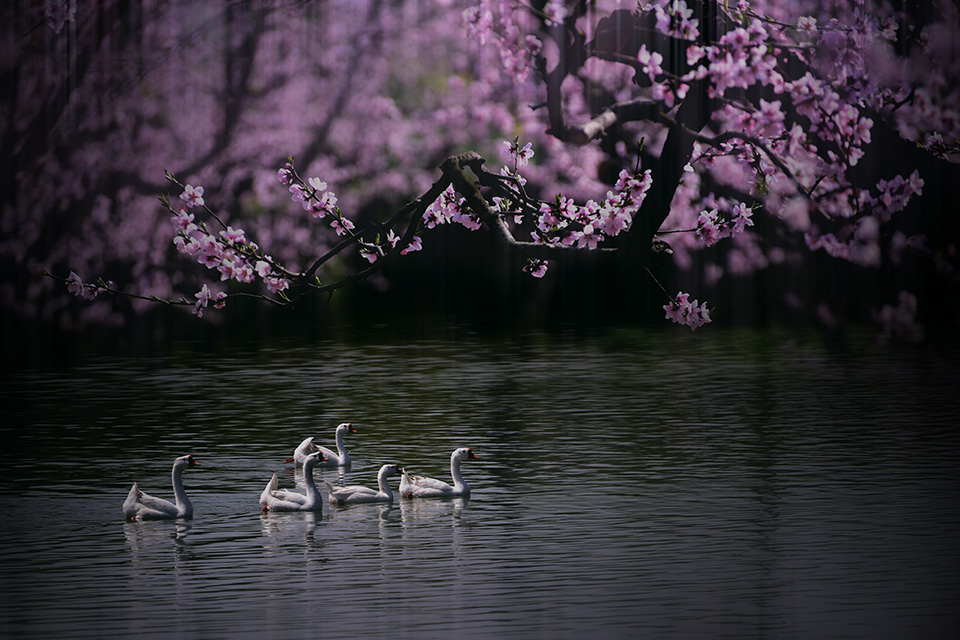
x: 700, y: 141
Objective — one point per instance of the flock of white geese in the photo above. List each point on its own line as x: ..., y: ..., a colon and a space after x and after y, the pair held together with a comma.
x: 142, y: 506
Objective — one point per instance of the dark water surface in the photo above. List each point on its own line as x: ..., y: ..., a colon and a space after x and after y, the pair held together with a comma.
x: 634, y: 485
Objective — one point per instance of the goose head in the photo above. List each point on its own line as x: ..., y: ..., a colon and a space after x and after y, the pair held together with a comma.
x: 185, y: 461
x: 345, y: 427
x: 391, y: 470
x: 313, y: 460
x: 464, y: 453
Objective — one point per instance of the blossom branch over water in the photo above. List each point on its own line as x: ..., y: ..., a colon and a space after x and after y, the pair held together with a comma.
x: 762, y: 126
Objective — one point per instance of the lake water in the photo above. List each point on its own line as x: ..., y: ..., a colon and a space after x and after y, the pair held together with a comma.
x: 631, y: 485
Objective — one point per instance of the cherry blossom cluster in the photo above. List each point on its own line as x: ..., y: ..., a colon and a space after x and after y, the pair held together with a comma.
x: 518, y: 53
x: 85, y: 290
x: 562, y: 222
x: 686, y: 313
x: 229, y: 252
x: 712, y: 227
x: 565, y: 223
x: 376, y: 250
x: 536, y: 267
x: 315, y: 198
x: 450, y: 207
x: 204, y: 296
x: 676, y: 19
x: 859, y: 240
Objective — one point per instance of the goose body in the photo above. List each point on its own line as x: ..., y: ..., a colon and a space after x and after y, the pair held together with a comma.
x: 142, y: 506
x: 359, y: 493
x: 413, y: 486
x: 338, y: 458
x: 303, y: 449
x: 273, y: 498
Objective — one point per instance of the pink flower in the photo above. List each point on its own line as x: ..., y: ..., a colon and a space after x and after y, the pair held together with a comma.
x: 369, y: 253
x: 650, y: 62
x: 520, y: 155
x: 415, y: 245
x: 236, y: 236
x: 285, y: 175
x: 684, y: 312
x: 183, y: 222
x: 87, y: 291
x: 74, y: 284
x: 741, y: 217
x: 203, y: 299
x: 536, y: 267
x: 244, y: 273
x: 807, y: 24
x: 709, y: 227
x: 185, y: 245
x: 276, y: 285
x: 342, y: 226
x: 193, y: 196
x: 469, y: 219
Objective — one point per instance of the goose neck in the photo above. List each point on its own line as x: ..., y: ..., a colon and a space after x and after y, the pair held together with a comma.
x: 184, y: 506
x: 382, y: 483
x: 457, y: 475
x: 313, y: 496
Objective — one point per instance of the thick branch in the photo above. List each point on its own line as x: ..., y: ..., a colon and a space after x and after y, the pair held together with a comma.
x: 628, y: 111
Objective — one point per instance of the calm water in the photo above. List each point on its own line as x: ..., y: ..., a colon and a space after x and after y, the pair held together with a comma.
x: 644, y: 485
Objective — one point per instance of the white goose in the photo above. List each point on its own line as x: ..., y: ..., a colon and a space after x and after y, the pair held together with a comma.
x: 140, y: 505
x: 359, y: 493
x: 422, y: 487
x: 338, y: 458
x: 275, y: 499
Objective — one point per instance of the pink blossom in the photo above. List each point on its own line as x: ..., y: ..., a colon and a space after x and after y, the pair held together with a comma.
x: 277, y: 285
x: 684, y: 312
x: 650, y: 62
x: 710, y: 228
x: 741, y: 217
x: 193, y: 196
x: 285, y: 174
x: 369, y: 253
x: 415, y: 245
x: 520, y: 155
x: 186, y: 245
x: 74, y: 284
x: 183, y: 222
x: 263, y: 268
x: 203, y: 299
x: 536, y: 267
x: 554, y: 11
x: 468, y: 219
x: 807, y: 25
x: 235, y: 236
x: 342, y: 226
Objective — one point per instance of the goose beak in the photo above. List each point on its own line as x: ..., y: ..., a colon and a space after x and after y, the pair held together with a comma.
x: 472, y: 456
x: 352, y: 429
